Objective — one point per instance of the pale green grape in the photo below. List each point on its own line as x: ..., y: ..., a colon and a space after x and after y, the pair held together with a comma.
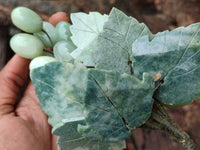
x: 62, y: 50
x: 26, y: 45
x: 62, y: 31
x: 40, y: 61
x: 26, y: 19
x: 50, y: 31
x: 44, y: 38
x: 65, y: 45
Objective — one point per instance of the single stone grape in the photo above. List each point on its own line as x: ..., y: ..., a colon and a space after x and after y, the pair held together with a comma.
x: 26, y: 19
x: 40, y: 61
x: 62, y: 51
x: 50, y: 31
x: 44, y: 38
x: 26, y: 45
x: 62, y: 31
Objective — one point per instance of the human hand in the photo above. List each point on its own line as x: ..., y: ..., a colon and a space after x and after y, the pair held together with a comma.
x: 24, y: 126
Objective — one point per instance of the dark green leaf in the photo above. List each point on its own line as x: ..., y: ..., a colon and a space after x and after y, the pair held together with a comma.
x: 93, y: 106
x: 112, y: 94
x: 60, y: 90
x: 176, y: 55
x: 89, y: 144
x: 113, y: 46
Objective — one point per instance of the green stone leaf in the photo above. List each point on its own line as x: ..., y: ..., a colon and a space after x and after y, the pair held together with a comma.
x: 114, y: 45
x: 85, y: 28
x: 176, y: 55
x: 92, y: 109
x: 60, y: 90
x: 83, y: 143
x: 70, y: 139
x: 68, y: 128
x: 116, y: 102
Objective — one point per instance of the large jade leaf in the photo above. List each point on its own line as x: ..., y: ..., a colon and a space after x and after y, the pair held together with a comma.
x: 124, y: 94
x: 85, y: 28
x: 70, y: 139
x: 58, y: 99
x: 83, y: 143
x: 176, y: 56
x: 114, y: 44
x: 92, y: 109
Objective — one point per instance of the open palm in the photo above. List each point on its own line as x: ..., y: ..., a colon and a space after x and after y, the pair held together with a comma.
x: 23, y: 126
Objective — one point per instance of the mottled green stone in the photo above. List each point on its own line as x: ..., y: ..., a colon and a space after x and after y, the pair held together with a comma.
x: 176, y: 55
x: 114, y: 43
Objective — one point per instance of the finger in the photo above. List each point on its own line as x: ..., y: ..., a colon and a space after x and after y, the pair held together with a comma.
x: 12, y: 77
x: 54, y: 142
x: 58, y: 17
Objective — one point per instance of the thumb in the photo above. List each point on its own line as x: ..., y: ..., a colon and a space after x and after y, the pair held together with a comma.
x: 12, y: 78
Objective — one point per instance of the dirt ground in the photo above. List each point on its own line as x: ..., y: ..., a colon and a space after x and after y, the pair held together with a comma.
x: 158, y: 15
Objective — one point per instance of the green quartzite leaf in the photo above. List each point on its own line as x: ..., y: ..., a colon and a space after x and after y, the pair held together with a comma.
x: 61, y: 89
x: 85, y: 28
x: 114, y: 44
x: 57, y: 99
x: 71, y: 139
x: 92, y: 109
x: 89, y: 144
x: 116, y: 102
x: 176, y: 55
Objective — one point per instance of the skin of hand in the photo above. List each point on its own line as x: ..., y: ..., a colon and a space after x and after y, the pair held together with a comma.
x: 23, y: 126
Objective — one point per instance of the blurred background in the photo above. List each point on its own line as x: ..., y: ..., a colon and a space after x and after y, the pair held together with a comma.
x: 158, y: 15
